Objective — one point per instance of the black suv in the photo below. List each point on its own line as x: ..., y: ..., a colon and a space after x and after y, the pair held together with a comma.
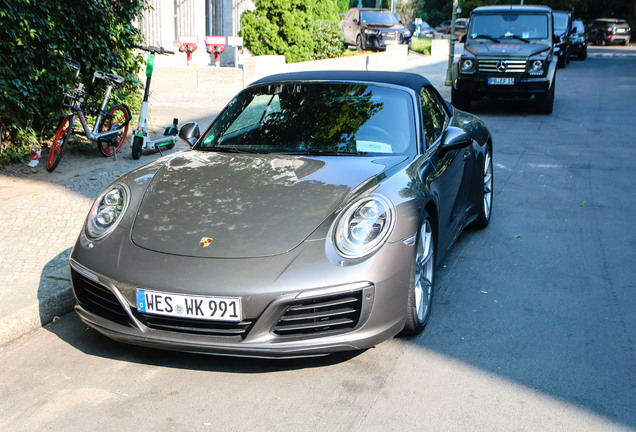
x: 609, y: 30
x: 562, y: 31
x: 508, y: 52
x: 373, y: 29
x: 578, y: 46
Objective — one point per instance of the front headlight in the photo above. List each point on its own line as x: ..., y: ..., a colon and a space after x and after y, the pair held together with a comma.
x: 468, y: 66
x: 106, y: 212
x: 364, y: 226
x: 536, y: 67
x: 371, y: 32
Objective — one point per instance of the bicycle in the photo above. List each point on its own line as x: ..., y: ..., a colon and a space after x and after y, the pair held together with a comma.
x: 141, y: 135
x: 111, y: 125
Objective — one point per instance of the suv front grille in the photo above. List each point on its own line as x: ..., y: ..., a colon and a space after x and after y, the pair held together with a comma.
x: 513, y: 66
x: 321, y: 315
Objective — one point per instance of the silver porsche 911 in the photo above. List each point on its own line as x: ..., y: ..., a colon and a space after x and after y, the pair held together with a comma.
x: 307, y: 219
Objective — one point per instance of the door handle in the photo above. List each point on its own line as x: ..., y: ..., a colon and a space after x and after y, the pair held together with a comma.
x: 466, y: 155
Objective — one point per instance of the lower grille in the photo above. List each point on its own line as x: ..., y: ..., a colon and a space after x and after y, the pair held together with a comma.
x: 322, y: 315
x: 390, y: 36
x: 97, y: 299
x: 195, y: 326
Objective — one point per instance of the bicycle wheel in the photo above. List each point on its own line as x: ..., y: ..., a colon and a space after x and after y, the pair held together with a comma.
x: 64, y: 131
x: 118, y: 118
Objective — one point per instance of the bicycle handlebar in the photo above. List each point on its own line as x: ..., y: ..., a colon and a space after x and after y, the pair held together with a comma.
x: 154, y: 49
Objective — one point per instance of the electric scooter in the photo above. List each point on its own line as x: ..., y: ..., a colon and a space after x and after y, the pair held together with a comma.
x: 141, y: 135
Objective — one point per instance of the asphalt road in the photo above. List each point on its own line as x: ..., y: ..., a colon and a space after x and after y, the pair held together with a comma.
x: 533, y: 326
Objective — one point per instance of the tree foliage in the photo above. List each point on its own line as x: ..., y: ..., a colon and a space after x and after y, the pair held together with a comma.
x: 33, y: 75
x: 293, y: 28
x: 436, y: 11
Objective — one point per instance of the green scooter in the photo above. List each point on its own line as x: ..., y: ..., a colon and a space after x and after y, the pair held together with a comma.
x: 141, y: 135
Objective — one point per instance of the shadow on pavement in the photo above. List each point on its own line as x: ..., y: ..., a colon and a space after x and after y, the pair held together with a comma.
x: 77, y: 334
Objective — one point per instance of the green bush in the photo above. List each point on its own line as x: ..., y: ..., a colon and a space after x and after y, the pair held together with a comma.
x: 422, y: 45
x: 290, y: 28
x: 328, y: 40
x: 33, y: 75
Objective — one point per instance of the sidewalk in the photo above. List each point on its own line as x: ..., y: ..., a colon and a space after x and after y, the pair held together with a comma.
x: 42, y: 213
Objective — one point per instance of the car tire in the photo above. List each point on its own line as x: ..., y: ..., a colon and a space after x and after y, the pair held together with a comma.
x: 486, y: 191
x: 600, y: 41
x: 545, y: 102
x: 359, y: 44
x: 460, y: 99
x: 420, y: 297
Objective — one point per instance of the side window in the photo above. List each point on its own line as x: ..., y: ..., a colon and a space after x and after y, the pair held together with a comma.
x: 434, y: 115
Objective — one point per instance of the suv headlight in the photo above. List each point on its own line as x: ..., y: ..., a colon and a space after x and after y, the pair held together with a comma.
x: 371, y: 32
x: 364, y: 226
x: 468, y: 66
x: 106, y: 212
x: 536, y: 67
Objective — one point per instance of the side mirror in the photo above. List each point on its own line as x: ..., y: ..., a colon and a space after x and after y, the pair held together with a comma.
x: 462, y: 39
x: 355, y: 21
x: 454, y: 139
x: 190, y: 133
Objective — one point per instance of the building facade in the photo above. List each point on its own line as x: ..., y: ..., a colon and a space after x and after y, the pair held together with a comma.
x: 167, y: 22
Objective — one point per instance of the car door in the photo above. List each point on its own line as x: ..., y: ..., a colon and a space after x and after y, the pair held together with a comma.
x: 349, y: 28
x: 453, y: 168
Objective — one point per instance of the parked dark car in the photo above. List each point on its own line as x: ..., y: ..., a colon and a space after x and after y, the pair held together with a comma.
x: 609, y: 31
x: 461, y: 26
x: 308, y: 219
x: 419, y: 28
x: 562, y: 31
x: 578, y: 45
x: 509, y: 53
x: 443, y: 27
x: 373, y: 29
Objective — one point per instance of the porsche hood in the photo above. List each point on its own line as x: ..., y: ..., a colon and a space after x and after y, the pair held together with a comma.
x: 220, y: 205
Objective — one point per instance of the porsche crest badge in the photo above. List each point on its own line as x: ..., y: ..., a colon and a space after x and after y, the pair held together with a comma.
x: 206, y: 241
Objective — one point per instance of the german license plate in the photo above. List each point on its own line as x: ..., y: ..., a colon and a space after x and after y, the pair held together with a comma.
x: 390, y: 42
x: 501, y: 81
x: 190, y: 306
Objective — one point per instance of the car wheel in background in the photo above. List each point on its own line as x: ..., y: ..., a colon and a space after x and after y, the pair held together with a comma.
x: 460, y: 99
x: 545, y: 102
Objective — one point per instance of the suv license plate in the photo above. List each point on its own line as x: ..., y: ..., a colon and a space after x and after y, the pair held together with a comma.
x: 501, y: 81
x: 190, y: 306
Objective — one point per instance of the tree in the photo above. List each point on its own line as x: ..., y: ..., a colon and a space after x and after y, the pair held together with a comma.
x: 287, y: 27
x: 33, y: 75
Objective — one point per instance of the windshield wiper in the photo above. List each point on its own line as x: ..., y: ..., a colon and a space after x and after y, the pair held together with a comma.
x: 313, y: 152
x: 227, y: 150
x: 481, y: 36
x: 516, y: 37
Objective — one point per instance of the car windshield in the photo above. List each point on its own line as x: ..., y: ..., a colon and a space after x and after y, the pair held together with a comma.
x: 560, y: 21
x: 528, y: 27
x: 315, y: 118
x: 377, y: 17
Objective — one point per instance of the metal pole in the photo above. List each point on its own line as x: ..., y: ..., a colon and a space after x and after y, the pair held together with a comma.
x: 451, y: 48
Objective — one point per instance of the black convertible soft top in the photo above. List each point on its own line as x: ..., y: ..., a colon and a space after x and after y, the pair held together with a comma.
x: 405, y: 79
